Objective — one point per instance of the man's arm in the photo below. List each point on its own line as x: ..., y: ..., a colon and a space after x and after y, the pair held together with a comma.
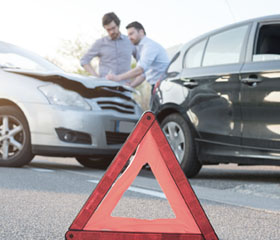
x: 90, y: 69
x: 91, y: 53
x: 137, y: 81
x: 135, y: 72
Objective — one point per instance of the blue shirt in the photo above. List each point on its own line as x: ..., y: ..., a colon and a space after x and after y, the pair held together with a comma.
x: 153, y: 59
x: 114, y: 55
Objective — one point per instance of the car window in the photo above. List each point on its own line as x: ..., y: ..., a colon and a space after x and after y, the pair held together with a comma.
x: 225, y: 47
x: 268, y: 43
x: 194, y: 55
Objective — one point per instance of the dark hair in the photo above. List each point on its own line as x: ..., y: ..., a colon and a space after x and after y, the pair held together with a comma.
x: 136, y: 25
x: 109, y: 17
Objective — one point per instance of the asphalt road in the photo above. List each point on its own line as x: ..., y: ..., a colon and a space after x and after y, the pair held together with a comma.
x: 41, y: 200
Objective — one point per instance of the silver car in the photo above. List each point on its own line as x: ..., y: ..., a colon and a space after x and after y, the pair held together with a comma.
x: 45, y: 111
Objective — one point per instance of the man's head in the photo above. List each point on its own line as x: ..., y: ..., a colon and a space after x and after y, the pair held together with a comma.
x: 135, y: 32
x: 111, y: 23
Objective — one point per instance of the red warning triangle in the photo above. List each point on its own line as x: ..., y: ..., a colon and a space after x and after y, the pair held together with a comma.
x: 95, y: 221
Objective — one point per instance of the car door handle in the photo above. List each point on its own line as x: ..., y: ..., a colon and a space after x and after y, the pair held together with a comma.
x: 189, y: 82
x: 250, y: 80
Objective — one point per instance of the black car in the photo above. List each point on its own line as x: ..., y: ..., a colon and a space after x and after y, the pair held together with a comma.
x: 220, y: 99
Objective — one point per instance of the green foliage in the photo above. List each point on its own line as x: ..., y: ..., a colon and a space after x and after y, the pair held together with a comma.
x: 75, y: 49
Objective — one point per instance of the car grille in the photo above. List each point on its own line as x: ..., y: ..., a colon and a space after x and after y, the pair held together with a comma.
x: 119, y: 107
x: 116, y: 137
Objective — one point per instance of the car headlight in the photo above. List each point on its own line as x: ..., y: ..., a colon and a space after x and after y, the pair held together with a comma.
x: 59, y: 96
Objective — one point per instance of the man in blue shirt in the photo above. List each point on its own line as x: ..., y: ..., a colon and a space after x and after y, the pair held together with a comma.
x: 114, y: 51
x: 152, y: 58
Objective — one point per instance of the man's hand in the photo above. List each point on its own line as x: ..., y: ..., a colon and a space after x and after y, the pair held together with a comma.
x: 112, y: 77
x: 135, y: 72
x: 90, y: 69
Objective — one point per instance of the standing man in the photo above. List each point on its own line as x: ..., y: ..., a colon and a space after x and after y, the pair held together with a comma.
x: 114, y: 51
x: 152, y: 58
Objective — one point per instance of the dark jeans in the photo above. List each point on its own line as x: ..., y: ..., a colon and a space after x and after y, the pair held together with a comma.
x: 151, y: 98
x: 152, y: 89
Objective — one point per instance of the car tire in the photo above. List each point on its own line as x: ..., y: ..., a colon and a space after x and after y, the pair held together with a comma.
x: 15, y: 143
x: 99, y: 163
x: 179, y: 136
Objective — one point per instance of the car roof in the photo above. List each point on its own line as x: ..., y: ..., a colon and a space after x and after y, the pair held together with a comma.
x: 184, y: 47
x: 258, y: 19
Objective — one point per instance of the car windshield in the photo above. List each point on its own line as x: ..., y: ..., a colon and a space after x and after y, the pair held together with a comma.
x: 15, y: 57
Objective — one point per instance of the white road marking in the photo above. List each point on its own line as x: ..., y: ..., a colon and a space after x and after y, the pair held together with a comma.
x: 229, y: 196
x: 42, y: 169
x: 235, y: 198
x: 140, y: 190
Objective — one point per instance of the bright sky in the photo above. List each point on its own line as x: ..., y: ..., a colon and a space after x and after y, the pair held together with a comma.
x: 42, y: 25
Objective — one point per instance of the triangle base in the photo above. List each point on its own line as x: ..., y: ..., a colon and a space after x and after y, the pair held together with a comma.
x: 106, y: 235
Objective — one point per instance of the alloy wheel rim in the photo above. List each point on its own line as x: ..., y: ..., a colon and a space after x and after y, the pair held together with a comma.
x: 12, y: 137
x: 176, y: 139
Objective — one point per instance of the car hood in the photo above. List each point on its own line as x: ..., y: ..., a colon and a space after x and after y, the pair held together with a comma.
x: 88, y: 87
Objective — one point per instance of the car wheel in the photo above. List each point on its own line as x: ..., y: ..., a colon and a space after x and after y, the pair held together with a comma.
x: 100, y: 163
x: 15, y: 146
x: 181, y: 141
